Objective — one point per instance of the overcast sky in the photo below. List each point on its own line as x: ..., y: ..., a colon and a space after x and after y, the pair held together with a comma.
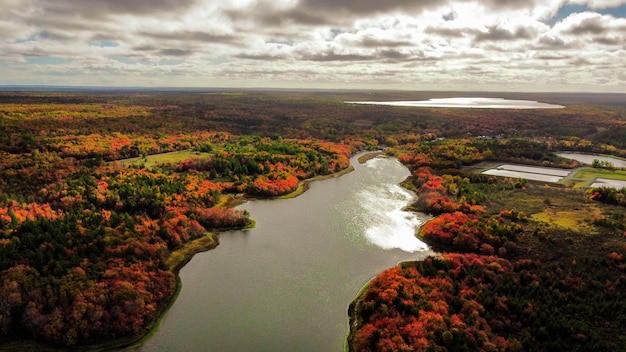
x: 508, y: 45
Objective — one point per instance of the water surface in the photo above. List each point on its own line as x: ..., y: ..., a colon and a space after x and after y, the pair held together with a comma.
x: 286, y: 285
x: 480, y: 103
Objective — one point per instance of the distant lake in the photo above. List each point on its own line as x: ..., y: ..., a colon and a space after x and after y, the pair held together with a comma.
x: 477, y: 103
x: 286, y: 284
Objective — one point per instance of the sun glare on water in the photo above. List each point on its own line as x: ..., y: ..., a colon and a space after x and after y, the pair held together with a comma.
x: 472, y: 102
x: 388, y: 225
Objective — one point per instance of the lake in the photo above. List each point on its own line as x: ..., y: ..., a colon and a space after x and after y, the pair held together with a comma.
x: 473, y: 102
x: 286, y: 284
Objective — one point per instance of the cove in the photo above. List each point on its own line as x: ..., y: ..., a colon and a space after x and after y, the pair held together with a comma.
x: 286, y: 284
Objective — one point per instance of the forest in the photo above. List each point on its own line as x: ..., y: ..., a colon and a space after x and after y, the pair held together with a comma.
x: 99, y: 191
x: 508, y: 278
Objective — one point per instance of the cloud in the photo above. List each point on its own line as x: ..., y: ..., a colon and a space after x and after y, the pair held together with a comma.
x: 590, y: 27
x: 508, y: 4
x: 376, y: 38
x: 598, y: 4
x: 496, y: 33
x: 175, y: 52
x: 589, y: 24
x: 551, y: 42
x: 53, y: 35
x: 144, y: 48
x: 389, y: 44
x: 333, y: 55
x: 189, y: 36
x: 551, y: 57
x: 261, y: 57
x: 364, y: 7
x: 446, y: 32
x: 99, y: 9
x: 324, y: 12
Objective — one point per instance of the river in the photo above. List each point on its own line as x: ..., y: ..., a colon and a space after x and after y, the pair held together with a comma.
x: 286, y: 284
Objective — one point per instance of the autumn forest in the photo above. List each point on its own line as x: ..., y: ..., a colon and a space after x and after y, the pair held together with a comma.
x: 105, y: 195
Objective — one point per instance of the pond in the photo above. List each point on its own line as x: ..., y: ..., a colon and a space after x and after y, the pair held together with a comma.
x: 286, y: 284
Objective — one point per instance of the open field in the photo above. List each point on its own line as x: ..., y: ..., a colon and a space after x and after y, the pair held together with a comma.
x: 164, y: 158
x: 589, y: 173
x: 593, y: 177
x: 571, y: 219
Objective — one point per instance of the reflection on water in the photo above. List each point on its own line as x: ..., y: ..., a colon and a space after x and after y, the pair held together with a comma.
x: 286, y: 284
x: 387, y: 224
x: 481, y: 103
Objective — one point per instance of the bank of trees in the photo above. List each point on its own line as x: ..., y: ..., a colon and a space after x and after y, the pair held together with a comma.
x: 609, y: 195
x: 83, y: 248
x: 469, y: 302
x: 84, y: 239
x: 490, y: 292
x: 84, y: 260
x: 262, y: 166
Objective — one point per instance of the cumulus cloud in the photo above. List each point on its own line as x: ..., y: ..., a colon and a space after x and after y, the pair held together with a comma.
x: 496, y: 33
x: 99, y: 9
x: 364, y: 7
x: 189, y: 36
x: 370, y: 43
x: 587, y: 23
x: 599, y: 4
x: 375, y: 38
x: 593, y: 27
x: 318, y: 12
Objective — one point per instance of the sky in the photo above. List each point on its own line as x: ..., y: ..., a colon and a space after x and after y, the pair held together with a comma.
x: 475, y: 45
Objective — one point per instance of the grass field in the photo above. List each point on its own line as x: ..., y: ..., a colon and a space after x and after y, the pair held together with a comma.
x: 576, y: 220
x: 589, y: 173
x: 157, y: 159
x: 586, y: 176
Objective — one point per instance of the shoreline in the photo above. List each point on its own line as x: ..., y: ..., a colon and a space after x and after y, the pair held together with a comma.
x: 303, y: 185
x: 353, y: 321
x: 367, y: 156
x: 190, y: 249
x: 175, y: 261
x: 186, y: 253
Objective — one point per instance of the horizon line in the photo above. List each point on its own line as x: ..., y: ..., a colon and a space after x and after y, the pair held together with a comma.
x: 53, y: 87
